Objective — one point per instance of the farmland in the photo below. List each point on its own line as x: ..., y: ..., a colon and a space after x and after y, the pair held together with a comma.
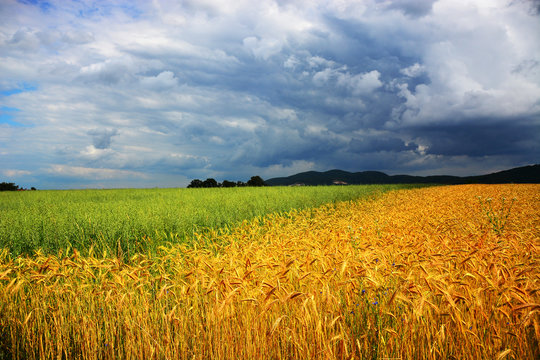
x: 126, y: 222
x: 428, y: 273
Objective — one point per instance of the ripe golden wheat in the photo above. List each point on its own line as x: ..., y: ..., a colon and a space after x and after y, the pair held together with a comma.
x: 413, y: 274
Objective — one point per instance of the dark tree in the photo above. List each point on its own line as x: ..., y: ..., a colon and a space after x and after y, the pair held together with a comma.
x: 227, y: 183
x: 195, y: 184
x: 32, y: 188
x: 256, y: 181
x: 210, y: 183
x: 4, y: 186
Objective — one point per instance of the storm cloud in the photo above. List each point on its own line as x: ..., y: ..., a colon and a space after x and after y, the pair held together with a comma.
x: 102, y: 138
x: 143, y: 94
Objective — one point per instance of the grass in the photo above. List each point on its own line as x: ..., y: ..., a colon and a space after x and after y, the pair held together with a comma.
x: 126, y: 222
x: 417, y: 274
x: 497, y: 217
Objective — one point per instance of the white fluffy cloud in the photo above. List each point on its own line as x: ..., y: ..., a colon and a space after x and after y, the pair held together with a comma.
x: 164, y: 80
x: 15, y: 173
x: 475, y: 69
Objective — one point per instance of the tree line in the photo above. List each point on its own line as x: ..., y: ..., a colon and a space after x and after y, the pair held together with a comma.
x: 212, y: 183
x: 9, y: 186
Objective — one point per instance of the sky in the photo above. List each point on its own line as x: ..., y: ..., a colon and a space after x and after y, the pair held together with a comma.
x: 123, y: 93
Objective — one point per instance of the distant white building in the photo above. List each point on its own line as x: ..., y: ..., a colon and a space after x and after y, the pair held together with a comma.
x: 339, y: 182
x: 298, y: 184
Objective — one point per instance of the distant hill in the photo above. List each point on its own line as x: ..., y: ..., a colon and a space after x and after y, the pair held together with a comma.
x: 525, y: 174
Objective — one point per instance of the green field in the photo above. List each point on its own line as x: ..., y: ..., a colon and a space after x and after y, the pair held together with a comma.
x: 128, y: 221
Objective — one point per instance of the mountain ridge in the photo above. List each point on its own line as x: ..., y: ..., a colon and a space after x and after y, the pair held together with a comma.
x: 523, y: 174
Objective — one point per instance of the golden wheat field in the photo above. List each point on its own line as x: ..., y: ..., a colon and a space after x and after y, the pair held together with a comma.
x: 435, y: 273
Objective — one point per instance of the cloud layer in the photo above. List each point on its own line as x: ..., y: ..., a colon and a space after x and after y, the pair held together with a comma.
x: 137, y: 93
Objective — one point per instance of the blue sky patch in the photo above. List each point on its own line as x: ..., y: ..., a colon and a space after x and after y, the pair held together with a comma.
x: 22, y: 88
x: 45, y: 6
x: 7, y: 114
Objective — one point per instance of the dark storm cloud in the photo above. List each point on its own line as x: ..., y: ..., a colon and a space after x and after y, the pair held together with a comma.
x: 533, y: 5
x: 272, y: 146
x: 379, y: 143
x: 505, y: 138
x: 102, y: 138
